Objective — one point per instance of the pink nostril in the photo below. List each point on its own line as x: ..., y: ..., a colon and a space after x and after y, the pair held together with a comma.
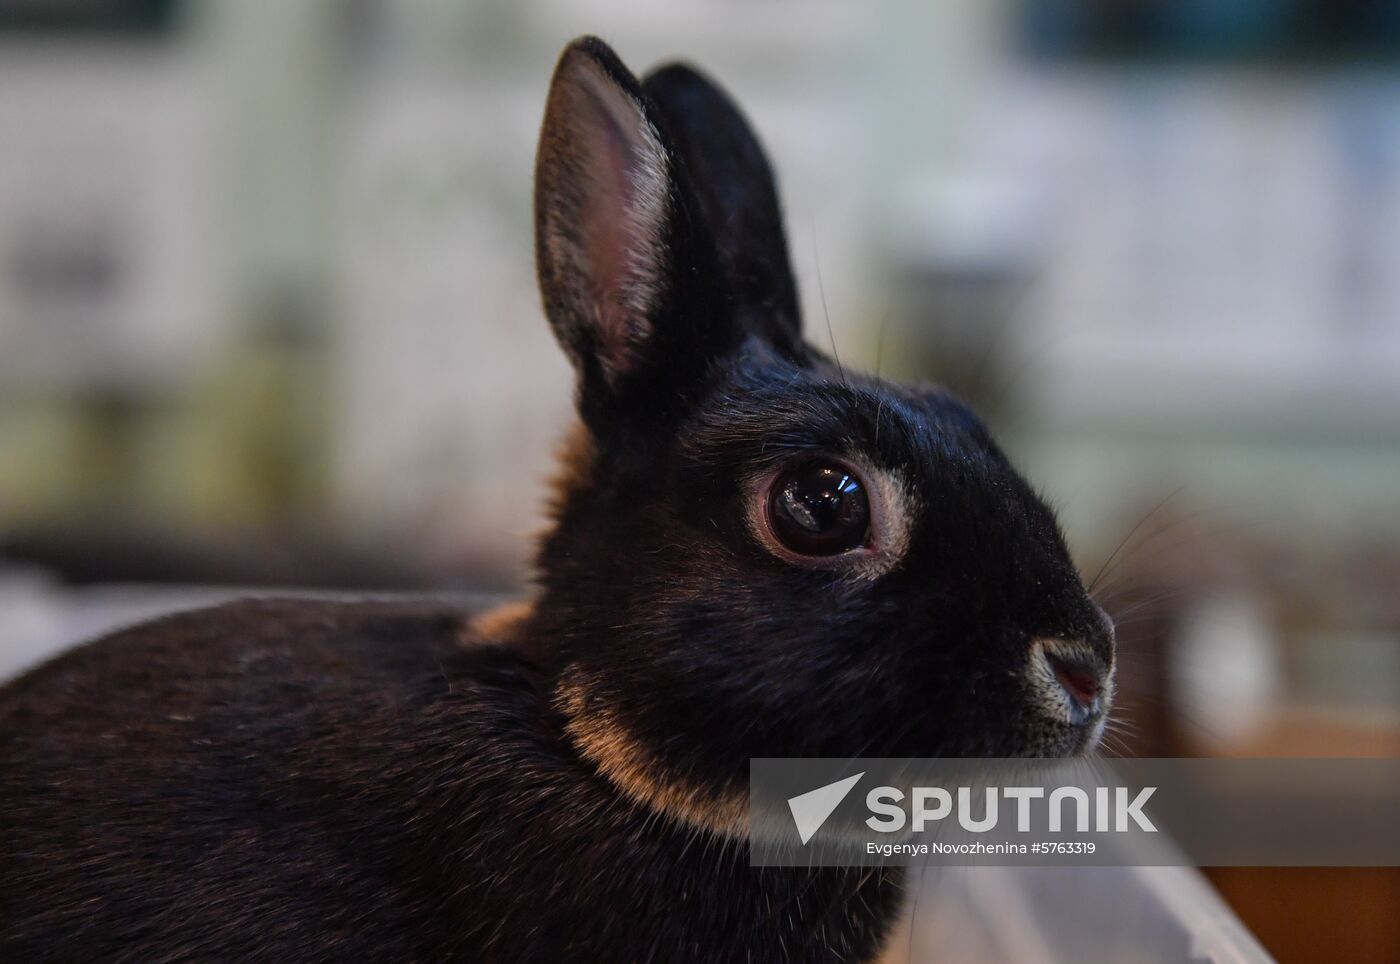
x: 1081, y: 684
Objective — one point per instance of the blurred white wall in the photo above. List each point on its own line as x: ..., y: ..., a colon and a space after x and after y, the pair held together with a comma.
x: 1192, y: 268
x: 454, y: 391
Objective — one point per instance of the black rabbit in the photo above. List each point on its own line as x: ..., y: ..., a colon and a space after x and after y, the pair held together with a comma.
x: 754, y: 553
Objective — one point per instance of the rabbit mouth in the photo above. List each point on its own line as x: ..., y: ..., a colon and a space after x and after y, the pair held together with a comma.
x: 1070, y: 684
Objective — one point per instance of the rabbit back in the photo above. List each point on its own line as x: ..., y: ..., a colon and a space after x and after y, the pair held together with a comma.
x: 307, y: 781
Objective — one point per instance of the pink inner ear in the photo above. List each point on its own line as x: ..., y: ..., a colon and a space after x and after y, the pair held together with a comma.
x: 606, y: 232
x: 621, y: 217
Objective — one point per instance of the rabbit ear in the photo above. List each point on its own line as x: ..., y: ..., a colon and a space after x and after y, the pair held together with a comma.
x: 626, y: 265
x: 736, y: 188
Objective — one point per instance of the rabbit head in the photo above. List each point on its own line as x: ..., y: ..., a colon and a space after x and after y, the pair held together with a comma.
x: 756, y: 553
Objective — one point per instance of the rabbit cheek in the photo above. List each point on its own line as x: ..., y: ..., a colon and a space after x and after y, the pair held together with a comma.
x: 602, y: 738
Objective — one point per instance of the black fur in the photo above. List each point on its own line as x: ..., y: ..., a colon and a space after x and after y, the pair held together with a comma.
x: 310, y: 781
x: 734, y: 184
x: 280, y: 781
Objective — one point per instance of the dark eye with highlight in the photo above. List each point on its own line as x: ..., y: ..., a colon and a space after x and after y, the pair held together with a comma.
x: 819, y: 509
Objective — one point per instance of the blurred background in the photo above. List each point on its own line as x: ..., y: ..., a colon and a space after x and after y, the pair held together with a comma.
x: 268, y: 315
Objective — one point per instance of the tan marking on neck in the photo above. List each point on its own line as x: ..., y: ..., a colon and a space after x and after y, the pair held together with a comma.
x: 632, y: 768
x: 502, y: 624
x: 573, y: 468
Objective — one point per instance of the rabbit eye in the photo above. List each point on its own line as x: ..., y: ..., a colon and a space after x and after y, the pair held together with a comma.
x: 819, y: 509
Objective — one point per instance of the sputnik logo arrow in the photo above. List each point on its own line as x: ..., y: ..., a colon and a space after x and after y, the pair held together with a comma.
x: 810, y: 809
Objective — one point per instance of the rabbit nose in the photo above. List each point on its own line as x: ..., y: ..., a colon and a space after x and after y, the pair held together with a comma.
x: 1077, y: 670
x: 1082, y: 682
